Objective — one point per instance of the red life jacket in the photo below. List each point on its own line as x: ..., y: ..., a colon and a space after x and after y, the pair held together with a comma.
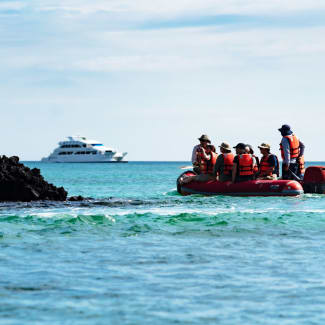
x: 228, y: 162
x: 245, y: 165
x: 200, y: 159
x: 203, y: 162
x: 212, y: 162
x: 294, y: 146
x: 265, y: 168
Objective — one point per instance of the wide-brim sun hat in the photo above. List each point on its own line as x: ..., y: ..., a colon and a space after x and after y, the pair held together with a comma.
x: 225, y: 146
x: 204, y: 137
x: 264, y: 146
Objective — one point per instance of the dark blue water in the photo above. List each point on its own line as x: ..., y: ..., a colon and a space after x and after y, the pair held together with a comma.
x: 138, y: 253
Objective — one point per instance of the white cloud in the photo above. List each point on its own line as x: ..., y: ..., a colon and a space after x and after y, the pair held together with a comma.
x: 144, y: 63
x: 174, y: 50
x: 182, y: 7
x: 12, y: 5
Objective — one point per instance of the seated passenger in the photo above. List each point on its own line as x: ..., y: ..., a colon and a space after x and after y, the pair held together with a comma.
x: 206, y: 160
x: 223, y: 167
x: 243, y: 168
x: 249, y: 149
x: 269, y: 167
x: 204, y: 141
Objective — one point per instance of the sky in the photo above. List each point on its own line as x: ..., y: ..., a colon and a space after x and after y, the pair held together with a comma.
x: 149, y: 77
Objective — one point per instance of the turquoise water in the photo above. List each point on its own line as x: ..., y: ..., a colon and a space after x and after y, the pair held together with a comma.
x: 139, y: 253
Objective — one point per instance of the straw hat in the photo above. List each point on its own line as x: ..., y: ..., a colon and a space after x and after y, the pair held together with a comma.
x: 265, y: 146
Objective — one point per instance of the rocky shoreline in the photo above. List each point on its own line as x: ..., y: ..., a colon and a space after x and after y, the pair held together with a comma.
x: 20, y: 183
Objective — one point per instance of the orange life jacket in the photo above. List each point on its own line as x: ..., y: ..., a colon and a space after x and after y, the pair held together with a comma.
x: 294, y: 146
x: 265, y: 168
x: 228, y: 162
x: 301, y: 165
x: 245, y: 165
x: 212, y: 162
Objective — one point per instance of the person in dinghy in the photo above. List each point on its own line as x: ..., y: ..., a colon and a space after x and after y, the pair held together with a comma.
x: 292, y: 152
x: 206, y: 159
x: 269, y: 165
x: 196, y: 153
x: 223, y: 167
x: 243, y: 167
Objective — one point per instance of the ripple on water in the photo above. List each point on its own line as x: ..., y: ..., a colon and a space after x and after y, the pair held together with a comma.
x: 164, y: 259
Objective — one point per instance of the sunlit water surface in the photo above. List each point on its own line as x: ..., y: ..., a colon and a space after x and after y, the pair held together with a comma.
x: 139, y: 253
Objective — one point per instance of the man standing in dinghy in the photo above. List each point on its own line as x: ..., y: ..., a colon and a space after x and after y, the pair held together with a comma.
x: 197, y: 150
x: 292, y: 152
x: 243, y: 168
x: 269, y: 165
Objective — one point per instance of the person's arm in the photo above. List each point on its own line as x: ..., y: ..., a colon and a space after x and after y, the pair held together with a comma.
x: 234, y: 172
x: 301, y: 149
x: 254, y: 163
x: 234, y: 169
x: 218, y: 165
x: 194, y: 155
x: 205, y: 155
x: 286, y: 150
x: 257, y: 161
x: 273, y: 164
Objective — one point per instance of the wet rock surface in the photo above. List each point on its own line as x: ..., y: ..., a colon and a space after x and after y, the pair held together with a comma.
x: 20, y: 183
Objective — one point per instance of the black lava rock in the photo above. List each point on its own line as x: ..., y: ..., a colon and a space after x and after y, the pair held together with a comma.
x: 20, y: 183
x: 76, y: 198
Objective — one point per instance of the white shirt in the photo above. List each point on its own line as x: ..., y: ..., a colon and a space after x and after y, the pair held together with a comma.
x: 194, y: 153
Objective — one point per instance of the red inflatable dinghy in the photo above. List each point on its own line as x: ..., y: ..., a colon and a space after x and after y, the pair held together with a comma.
x: 249, y: 188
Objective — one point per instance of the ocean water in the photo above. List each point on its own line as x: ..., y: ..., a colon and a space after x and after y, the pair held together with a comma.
x: 139, y: 253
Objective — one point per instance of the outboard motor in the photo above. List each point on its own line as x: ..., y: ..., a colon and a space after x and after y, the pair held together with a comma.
x: 314, y: 180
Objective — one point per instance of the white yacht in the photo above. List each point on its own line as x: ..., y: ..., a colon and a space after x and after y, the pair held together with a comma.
x: 80, y: 149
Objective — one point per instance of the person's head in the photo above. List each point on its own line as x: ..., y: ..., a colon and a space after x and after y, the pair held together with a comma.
x: 265, y: 149
x: 240, y: 148
x: 225, y: 147
x: 212, y: 147
x: 249, y: 149
x: 285, y: 130
x: 204, y: 140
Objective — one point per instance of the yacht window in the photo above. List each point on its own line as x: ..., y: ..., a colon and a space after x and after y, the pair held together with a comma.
x: 108, y: 151
x: 70, y: 146
x: 94, y: 152
x: 62, y: 153
x: 96, y: 144
x: 84, y: 145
